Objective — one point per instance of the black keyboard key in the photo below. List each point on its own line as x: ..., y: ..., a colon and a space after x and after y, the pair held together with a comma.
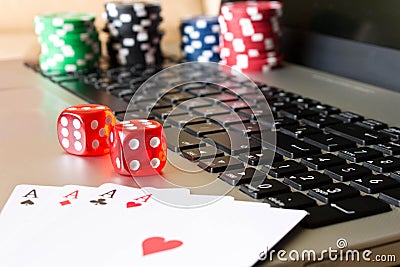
x: 192, y: 86
x: 291, y: 147
x: 253, y: 114
x: 208, y: 111
x: 151, y: 104
x: 307, y: 180
x: 322, y: 161
x: 255, y: 158
x: 344, y: 210
x: 222, y: 97
x: 277, y: 106
x: 320, y: 121
x: 348, y: 117
x: 235, y: 105
x: 267, y: 188
x: 287, y: 96
x: 347, y: 172
x: 208, y: 90
x: 220, y: 164
x: 270, y: 90
x: 283, y: 169
x: 232, y: 143
x: 390, y: 148
x: 175, y: 98
x: 178, y: 140
x: 182, y: 120
x: 358, y: 134
x: 205, y: 152
x: 325, y: 109
x: 305, y: 103
x: 284, y: 121
x: 374, y: 183
x: 391, y: 196
x: 300, y: 131
x: 203, y: 129
x: 163, y: 113
x: 295, y: 200
x: 329, y: 142
x: 333, y: 192
x: 194, y: 103
x: 395, y: 175
x: 246, y: 129
x: 359, y: 154
x: 372, y: 124
x: 384, y: 164
x: 297, y: 113
x: 229, y: 119
x: 242, y: 176
x: 393, y: 132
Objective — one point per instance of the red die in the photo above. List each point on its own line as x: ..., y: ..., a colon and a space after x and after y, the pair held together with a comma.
x: 138, y: 147
x: 85, y: 129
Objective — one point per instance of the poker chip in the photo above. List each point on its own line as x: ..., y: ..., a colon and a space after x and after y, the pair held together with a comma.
x: 69, y: 41
x: 250, y: 38
x: 200, y: 38
x: 134, y: 37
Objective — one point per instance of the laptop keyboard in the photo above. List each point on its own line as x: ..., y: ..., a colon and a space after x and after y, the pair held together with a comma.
x: 335, y: 164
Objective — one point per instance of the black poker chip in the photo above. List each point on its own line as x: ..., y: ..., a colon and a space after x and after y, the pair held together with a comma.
x: 134, y: 36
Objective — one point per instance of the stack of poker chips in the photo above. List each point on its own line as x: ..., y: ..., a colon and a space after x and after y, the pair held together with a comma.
x: 200, y: 38
x: 69, y: 42
x: 250, y: 35
x: 134, y: 37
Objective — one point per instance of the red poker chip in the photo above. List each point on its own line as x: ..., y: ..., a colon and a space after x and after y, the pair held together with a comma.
x: 243, y: 60
x: 246, y: 32
x: 259, y: 5
x: 251, y: 54
x: 239, y: 45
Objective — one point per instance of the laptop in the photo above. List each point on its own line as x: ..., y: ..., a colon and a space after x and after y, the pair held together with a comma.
x: 342, y: 65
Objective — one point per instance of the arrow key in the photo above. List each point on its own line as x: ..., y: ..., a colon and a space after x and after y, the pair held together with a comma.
x: 322, y: 161
x: 220, y: 164
x: 241, y: 176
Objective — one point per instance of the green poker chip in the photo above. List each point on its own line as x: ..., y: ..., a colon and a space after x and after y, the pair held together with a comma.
x: 69, y: 41
x: 58, y: 20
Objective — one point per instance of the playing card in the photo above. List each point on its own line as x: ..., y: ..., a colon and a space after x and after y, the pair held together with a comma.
x: 78, y: 230
x: 122, y: 226
x: 26, y: 203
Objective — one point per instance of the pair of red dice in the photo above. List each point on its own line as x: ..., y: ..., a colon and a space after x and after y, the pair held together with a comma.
x: 136, y: 147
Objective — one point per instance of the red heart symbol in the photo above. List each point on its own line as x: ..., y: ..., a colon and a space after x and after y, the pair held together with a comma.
x: 158, y: 244
x: 132, y: 204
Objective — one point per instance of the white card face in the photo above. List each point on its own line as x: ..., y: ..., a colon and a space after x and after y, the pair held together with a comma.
x: 115, y: 225
x: 25, y: 205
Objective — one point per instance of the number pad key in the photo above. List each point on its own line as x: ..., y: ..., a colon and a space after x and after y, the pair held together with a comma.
x: 220, y: 164
x: 329, y: 142
x: 391, y: 196
x: 300, y: 131
x: 240, y: 176
x: 374, y: 183
x: 295, y: 200
x: 384, y: 164
x: 359, y: 154
x: 307, y: 180
x: 269, y: 187
x: 322, y: 161
x: 391, y: 148
x: 255, y: 158
x: 347, y: 172
x: 284, y: 168
x: 344, y: 210
x: 333, y: 192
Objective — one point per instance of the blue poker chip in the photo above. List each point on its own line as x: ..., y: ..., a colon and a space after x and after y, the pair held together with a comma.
x: 200, y: 38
